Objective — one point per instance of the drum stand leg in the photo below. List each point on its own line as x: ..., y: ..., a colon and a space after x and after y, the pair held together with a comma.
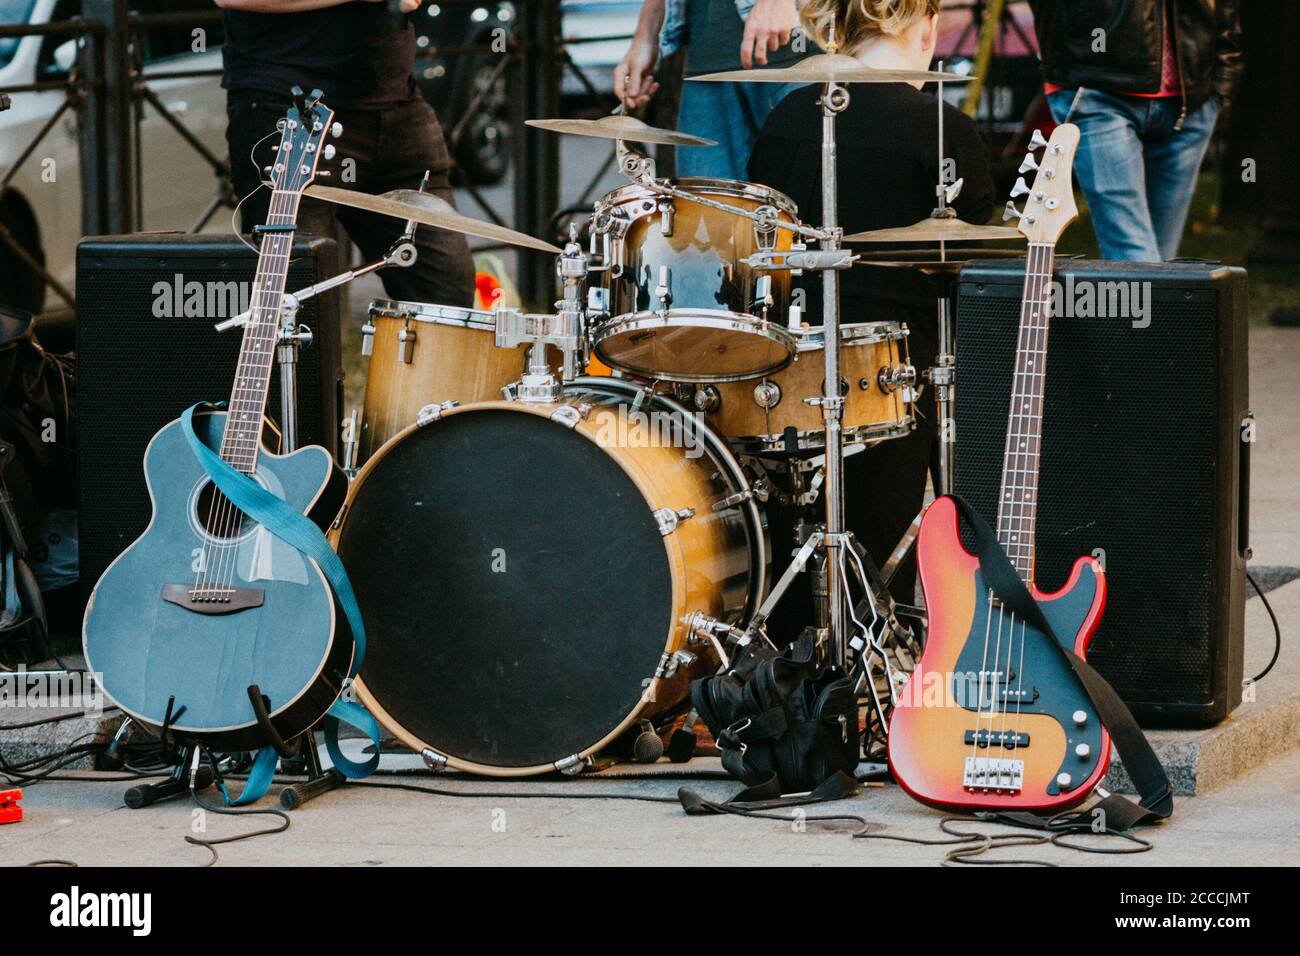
x: 943, y: 377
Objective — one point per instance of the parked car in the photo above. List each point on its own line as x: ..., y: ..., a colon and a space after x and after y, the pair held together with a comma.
x: 42, y: 206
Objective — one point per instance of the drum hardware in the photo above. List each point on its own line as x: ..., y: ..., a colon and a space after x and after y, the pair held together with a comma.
x: 433, y: 760
x: 797, y: 260
x: 351, y: 444
x: 832, y: 70
x: 433, y: 412
x: 406, y: 345
x: 668, y: 519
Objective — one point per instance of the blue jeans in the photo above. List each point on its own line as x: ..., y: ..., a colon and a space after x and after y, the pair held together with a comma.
x: 729, y: 113
x: 1136, y: 170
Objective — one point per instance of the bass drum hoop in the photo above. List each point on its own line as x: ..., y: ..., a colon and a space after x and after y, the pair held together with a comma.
x: 728, y: 465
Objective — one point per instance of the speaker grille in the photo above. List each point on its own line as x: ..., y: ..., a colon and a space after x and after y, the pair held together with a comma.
x: 1131, y: 471
x: 137, y: 371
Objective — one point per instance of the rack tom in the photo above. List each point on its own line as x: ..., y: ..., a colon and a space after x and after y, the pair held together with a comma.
x: 684, y: 304
x: 426, y: 354
x: 877, y: 382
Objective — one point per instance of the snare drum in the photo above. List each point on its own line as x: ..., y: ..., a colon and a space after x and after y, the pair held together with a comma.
x: 877, y: 382
x: 684, y: 304
x: 425, y: 354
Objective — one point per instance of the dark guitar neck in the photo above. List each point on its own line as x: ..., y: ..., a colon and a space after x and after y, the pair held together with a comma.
x: 1018, y: 499
x: 242, y: 438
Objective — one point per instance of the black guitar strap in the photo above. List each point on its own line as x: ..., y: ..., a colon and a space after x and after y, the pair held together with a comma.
x: 1156, y: 800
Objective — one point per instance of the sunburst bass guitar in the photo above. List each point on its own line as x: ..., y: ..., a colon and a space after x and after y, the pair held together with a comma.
x: 994, y: 717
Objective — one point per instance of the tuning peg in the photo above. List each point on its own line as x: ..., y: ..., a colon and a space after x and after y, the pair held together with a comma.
x: 952, y: 191
x: 1029, y: 164
x: 1036, y: 141
x: 1021, y: 188
x: 328, y: 151
x: 1011, y: 212
x: 336, y: 130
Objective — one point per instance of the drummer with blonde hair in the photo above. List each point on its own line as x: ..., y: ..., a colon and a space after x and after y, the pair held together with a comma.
x: 888, y: 171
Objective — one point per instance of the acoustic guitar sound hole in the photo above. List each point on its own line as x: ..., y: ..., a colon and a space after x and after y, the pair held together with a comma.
x: 216, y: 515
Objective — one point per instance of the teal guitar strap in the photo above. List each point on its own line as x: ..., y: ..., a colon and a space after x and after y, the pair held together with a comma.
x: 301, y: 533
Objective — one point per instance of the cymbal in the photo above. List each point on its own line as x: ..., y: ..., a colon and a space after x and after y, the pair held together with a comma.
x: 620, y: 127
x: 933, y: 229
x: 930, y: 262
x: 828, y: 68
x: 429, y: 210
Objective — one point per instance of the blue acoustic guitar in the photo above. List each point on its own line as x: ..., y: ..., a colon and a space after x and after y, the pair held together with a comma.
x: 208, y: 625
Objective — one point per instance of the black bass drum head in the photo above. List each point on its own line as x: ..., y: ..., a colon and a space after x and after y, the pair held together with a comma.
x: 514, y: 585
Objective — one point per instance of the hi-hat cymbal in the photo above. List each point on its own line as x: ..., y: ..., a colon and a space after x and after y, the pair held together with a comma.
x: 429, y: 210
x: 934, y: 229
x: 627, y: 128
x: 829, y: 68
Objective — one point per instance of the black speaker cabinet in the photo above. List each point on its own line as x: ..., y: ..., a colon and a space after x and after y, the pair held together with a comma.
x: 1144, y: 461
x: 147, y: 349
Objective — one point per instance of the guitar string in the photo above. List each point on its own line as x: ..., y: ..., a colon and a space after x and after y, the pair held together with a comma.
x: 219, y: 515
x: 262, y: 338
x: 232, y: 519
x: 1040, y: 332
x: 1010, y: 509
x: 200, y: 571
x: 227, y: 513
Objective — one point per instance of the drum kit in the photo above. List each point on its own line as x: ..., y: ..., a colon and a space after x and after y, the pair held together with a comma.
x: 546, y: 556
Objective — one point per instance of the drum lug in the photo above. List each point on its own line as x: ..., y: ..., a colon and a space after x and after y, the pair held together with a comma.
x: 431, y: 413
x: 893, y: 378
x: 765, y: 227
x: 338, y: 519
x: 669, y: 663
x: 666, y: 215
x: 572, y: 765
x: 668, y: 519
x: 707, y: 399
x: 406, y: 346
x: 368, y: 337
x: 433, y: 760
x: 767, y: 394
x: 731, y: 501
x: 570, y: 415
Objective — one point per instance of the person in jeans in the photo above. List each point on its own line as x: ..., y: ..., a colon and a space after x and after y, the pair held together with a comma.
x: 360, y: 55
x: 1144, y: 80
x: 718, y: 35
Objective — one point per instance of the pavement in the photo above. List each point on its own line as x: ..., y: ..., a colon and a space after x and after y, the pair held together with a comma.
x: 1247, y: 814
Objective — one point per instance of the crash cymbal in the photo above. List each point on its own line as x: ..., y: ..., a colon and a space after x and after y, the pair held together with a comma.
x: 828, y: 68
x: 935, y: 229
x: 931, y: 262
x: 627, y: 128
x: 426, y: 209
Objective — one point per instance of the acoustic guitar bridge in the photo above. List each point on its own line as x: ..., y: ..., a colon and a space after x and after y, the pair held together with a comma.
x: 212, y: 600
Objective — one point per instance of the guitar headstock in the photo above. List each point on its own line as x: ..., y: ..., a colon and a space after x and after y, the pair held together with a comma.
x: 302, y: 137
x: 1050, y: 206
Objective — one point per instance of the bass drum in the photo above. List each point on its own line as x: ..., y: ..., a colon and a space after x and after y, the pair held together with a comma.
x: 524, y: 571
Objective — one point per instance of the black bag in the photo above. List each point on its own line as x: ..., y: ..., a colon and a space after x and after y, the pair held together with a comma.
x: 783, y: 725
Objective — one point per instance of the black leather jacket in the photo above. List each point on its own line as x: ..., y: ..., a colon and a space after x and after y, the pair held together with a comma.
x: 1208, y: 34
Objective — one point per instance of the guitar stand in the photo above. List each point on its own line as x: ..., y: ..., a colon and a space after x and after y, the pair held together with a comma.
x: 319, y: 780
x: 181, y: 756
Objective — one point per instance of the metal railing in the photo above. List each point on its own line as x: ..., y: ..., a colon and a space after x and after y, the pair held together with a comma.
x: 110, y: 92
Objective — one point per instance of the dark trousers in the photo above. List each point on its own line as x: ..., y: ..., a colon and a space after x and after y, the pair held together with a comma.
x: 884, y: 488
x: 380, y: 149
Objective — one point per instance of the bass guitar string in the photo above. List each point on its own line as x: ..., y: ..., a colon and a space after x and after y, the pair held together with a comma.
x: 1038, y: 339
